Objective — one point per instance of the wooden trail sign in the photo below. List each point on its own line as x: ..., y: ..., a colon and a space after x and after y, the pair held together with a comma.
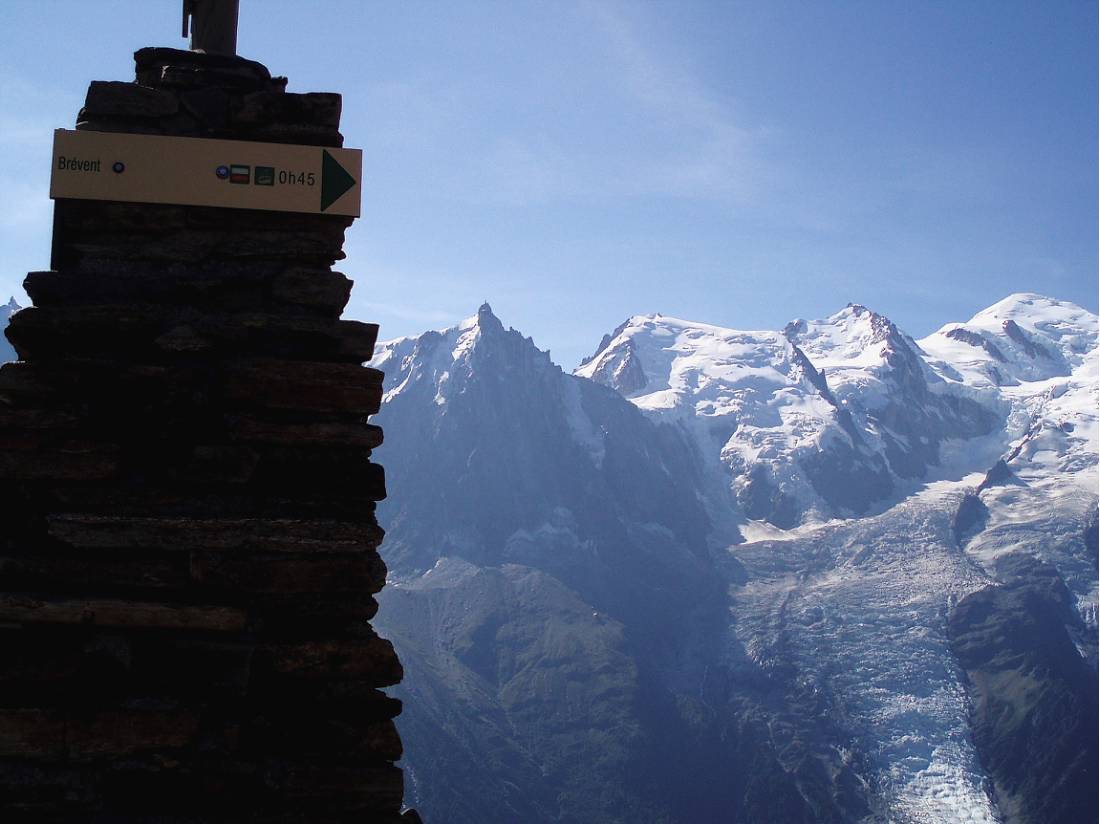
x: 191, y: 171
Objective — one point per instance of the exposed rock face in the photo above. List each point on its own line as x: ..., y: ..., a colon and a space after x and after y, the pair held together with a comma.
x: 974, y: 339
x: 1033, y: 693
x: 190, y: 547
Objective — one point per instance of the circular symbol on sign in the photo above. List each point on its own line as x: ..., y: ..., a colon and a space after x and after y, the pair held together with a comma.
x: 222, y: 172
x: 119, y: 167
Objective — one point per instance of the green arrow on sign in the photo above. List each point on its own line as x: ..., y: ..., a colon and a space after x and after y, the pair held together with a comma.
x: 335, y: 180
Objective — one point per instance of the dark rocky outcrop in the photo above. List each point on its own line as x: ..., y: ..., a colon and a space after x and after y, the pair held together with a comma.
x: 1034, y: 349
x: 190, y: 550
x: 974, y: 339
x: 998, y: 475
x: 623, y: 371
x: 970, y: 518
x: 605, y: 341
x: 1034, y: 695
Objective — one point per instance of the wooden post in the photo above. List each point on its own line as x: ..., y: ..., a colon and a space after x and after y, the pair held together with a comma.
x: 213, y: 25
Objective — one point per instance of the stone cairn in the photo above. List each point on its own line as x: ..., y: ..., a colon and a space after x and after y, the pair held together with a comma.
x: 189, y: 540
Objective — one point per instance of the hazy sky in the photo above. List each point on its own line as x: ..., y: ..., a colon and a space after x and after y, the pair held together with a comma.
x: 575, y: 163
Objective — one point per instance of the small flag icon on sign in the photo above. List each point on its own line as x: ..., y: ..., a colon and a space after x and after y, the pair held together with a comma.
x: 239, y: 174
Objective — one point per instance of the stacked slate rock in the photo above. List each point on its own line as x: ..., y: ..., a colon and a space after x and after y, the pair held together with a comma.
x: 190, y: 548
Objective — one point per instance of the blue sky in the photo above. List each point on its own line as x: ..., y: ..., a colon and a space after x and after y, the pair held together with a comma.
x: 575, y: 163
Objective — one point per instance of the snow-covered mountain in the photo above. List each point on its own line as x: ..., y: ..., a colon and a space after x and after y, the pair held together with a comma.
x: 7, y: 353
x: 460, y: 403
x: 1040, y: 357
x: 830, y: 418
x: 549, y: 573
x: 828, y: 573
x: 1025, y: 338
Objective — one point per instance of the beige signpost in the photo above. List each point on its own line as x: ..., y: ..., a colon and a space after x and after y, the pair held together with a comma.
x: 233, y: 174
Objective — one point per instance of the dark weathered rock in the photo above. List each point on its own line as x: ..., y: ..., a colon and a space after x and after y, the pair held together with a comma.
x: 317, y: 110
x: 297, y: 133
x: 45, y: 567
x: 998, y: 475
x: 32, y: 732
x: 252, y: 287
x: 26, y: 609
x: 252, y: 430
x: 150, y: 330
x: 190, y: 551
x: 1034, y: 696
x: 116, y: 236
x: 371, y: 661
x: 324, y: 290
x: 261, y: 573
x: 325, y: 732
x: 133, y: 497
x: 22, y: 419
x: 114, y: 733
x: 157, y: 66
x: 225, y: 535
x: 970, y: 517
x: 208, y: 105
x: 294, y: 385
x: 112, y: 99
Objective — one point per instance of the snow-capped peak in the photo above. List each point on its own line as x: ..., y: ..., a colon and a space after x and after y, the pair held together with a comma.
x: 445, y: 359
x: 483, y: 318
x: 1031, y: 308
x: 661, y: 361
x: 7, y: 353
x: 1043, y: 321
x: 1025, y: 337
x: 784, y: 412
x: 854, y: 337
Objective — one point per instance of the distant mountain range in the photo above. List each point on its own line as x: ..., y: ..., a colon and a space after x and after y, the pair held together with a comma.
x: 844, y: 416
x: 827, y: 573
